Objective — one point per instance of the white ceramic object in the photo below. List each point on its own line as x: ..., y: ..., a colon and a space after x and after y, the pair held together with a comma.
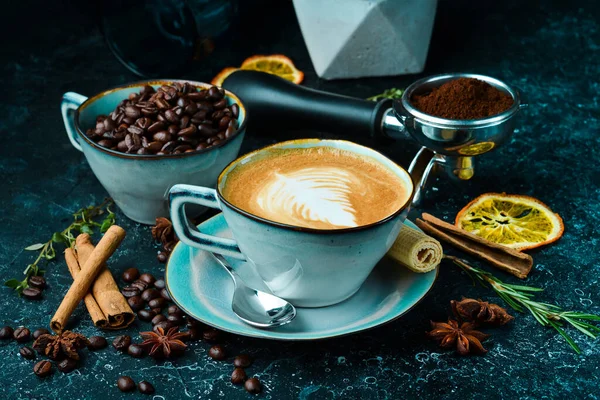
x: 139, y: 183
x: 307, y: 267
x: 361, y: 38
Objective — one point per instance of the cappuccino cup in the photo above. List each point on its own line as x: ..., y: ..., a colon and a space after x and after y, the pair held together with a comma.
x: 311, y: 217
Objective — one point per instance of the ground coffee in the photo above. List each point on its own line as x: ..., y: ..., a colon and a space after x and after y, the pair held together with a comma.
x: 463, y: 98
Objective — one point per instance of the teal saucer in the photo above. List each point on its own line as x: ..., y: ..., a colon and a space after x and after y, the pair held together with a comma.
x: 203, y: 289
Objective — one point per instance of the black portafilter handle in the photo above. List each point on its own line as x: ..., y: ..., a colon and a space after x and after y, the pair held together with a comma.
x: 274, y: 103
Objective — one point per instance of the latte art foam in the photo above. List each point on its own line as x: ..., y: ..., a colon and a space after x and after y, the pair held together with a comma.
x: 313, y: 195
x: 321, y: 188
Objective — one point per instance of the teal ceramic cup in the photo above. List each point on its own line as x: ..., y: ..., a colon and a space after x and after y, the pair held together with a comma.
x: 308, y: 267
x: 138, y: 183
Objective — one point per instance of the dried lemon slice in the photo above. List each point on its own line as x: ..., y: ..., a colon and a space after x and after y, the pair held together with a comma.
x: 519, y: 222
x: 276, y: 64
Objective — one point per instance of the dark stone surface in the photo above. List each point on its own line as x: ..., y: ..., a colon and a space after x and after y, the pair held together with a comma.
x: 551, y: 52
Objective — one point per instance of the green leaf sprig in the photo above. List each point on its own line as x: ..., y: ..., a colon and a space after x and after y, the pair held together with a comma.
x: 84, y: 221
x: 392, y: 93
x: 520, y: 298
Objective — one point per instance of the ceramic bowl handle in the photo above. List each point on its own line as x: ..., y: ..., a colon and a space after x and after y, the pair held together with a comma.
x: 179, y: 196
x: 71, y: 102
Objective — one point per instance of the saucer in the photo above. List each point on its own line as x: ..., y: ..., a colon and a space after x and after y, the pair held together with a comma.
x: 203, y: 290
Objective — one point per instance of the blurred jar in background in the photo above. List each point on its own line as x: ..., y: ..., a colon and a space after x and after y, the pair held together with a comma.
x: 167, y: 38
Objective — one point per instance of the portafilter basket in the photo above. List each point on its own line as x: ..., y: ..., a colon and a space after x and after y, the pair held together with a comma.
x: 448, y: 144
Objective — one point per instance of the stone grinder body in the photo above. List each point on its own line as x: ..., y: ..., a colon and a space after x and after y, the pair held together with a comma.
x: 447, y: 144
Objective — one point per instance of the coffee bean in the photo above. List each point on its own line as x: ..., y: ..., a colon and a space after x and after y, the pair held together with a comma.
x: 150, y: 294
x: 230, y: 131
x: 165, y: 325
x: 32, y: 293
x: 221, y: 104
x: 217, y: 115
x: 165, y: 294
x: 141, y: 285
x: 67, y: 365
x: 97, y: 343
x: 43, y: 368
x: 27, y: 352
x: 169, y: 147
x: 122, y: 343
x: 6, y: 333
x: 122, y: 146
x: 161, y: 136
x: 159, y: 284
x: 195, y: 333
x: 211, y: 335
x: 156, y: 310
x: 214, y: 94
x: 253, y: 386
x: 130, y: 291
x: 145, y: 387
x: 171, y: 116
x: 157, y: 303
x: 156, y: 127
x: 173, y: 129
x: 201, y: 95
x: 217, y: 352
x: 176, y: 319
x: 146, y: 315
x: 206, y: 131
x: 132, y: 112
x: 154, y: 147
x: 143, y: 123
x: 173, y: 309
x: 162, y: 257
x: 158, y: 318
x: 242, y: 361
x: 109, y: 124
x: 37, y: 282
x: 136, y: 351
x: 39, y: 332
x: 125, y: 384
x: 221, y: 135
x: 190, y: 130
x: 235, y: 110
x: 136, y: 303
x: 181, y: 149
x: 201, y: 146
x: 128, y: 120
x: 130, y: 275
x: 238, y: 376
x: 224, y: 122
x: 22, y: 334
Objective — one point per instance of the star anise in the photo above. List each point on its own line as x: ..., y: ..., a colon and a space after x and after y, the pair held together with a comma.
x: 465, y: 338
x: 481, y: 312
x: 161, y: 344
x: 163, y: 233
x: 163, y: 230
x: 57, y: 347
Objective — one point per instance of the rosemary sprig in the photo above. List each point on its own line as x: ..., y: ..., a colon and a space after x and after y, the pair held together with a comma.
x: 520, y: 298
x: 83, y: 222
x: 392, y: 93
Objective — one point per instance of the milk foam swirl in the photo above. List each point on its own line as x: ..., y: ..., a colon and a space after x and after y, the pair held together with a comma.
x: 310, y: 195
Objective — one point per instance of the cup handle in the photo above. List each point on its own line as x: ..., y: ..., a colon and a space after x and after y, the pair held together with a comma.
x: 179, y: 196
x: 71, y: 102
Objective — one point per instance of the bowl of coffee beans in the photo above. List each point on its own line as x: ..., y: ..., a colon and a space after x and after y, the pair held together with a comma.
x: 142, y: 138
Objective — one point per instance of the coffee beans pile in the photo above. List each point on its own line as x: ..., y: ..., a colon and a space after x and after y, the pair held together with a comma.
x: 36, y: 286
x: 174, y: 119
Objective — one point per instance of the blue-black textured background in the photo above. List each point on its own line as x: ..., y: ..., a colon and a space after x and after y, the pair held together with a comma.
x: 551, y: 50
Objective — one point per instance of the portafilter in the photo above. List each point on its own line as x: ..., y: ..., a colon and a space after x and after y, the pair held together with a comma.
x: 448, y: 144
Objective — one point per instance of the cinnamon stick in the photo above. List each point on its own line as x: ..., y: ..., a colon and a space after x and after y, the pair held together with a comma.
x: 507, y: 259
x: 82, y: 283
x: 105, y: 290
x: 90, y: 303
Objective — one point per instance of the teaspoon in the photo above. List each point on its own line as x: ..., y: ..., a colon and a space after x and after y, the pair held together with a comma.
x: 255, y: 307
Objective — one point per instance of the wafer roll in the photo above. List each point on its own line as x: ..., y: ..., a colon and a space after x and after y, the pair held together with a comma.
x: 416, y: 251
